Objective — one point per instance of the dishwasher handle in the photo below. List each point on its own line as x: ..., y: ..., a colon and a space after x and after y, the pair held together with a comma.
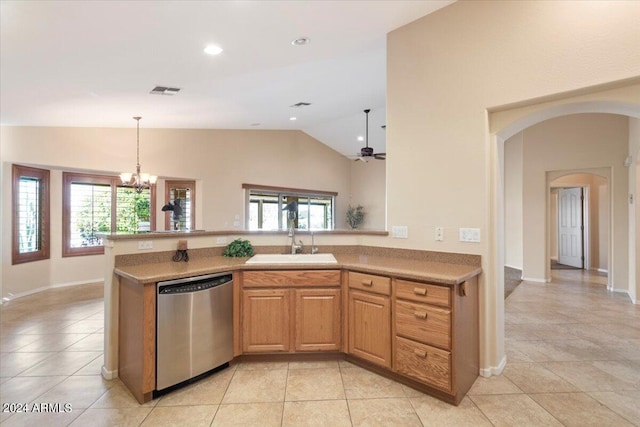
x: 193, y: 284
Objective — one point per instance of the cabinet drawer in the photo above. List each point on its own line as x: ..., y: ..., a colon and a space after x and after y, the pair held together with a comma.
x: 268, y: 279
x: 421, y: 292
x: 424, y: 363
x: 424, y: 323
x: 370, y: 283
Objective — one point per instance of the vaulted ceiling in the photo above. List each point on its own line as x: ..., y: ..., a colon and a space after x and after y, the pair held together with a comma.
x: 94, y: 64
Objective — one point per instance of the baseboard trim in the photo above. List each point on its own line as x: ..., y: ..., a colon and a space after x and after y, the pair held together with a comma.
x: 602, y: 270
x: 535, y: 280
x: 109, y: 375
x: 620, y: 291
x: 45, y: 288
x: 494, y: 370
x: 515, y: 268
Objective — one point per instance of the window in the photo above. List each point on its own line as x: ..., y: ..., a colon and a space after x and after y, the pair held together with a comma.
x: 30, y: 235
x: 181, y: 193
x: 265, y: 208
x: 95, y: 204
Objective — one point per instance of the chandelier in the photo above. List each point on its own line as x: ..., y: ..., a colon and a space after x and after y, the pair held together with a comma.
x: 138, y: 181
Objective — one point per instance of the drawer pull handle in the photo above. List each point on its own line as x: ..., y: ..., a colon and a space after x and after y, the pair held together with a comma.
x: 420, y: 291
x: 367, y: 282
x: 420, y: 314
x: 420, y: 353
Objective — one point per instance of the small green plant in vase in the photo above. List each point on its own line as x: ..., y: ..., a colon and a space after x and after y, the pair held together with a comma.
x: 238, y: 248
x: 355, y: 216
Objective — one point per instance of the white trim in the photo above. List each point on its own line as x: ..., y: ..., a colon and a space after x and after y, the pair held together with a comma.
x: 535, y: 280
x: 45, y: 288
x: 494, y: 370
x: 515, y: 268
x: 602, y: 270
x: 109, y: 375
x: 620, y: 291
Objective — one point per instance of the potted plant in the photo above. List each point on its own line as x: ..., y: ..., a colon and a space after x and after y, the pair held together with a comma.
x: 355, y: 216
x: 239, y: 248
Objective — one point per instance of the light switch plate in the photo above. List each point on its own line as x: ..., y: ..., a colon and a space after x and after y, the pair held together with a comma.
x: 470, y: 235
x: 439, y: 235
x: 400, y: 231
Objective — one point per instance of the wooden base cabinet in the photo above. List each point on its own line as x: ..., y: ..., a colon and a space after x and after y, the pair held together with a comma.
x: 317, y: 326
x: 137, y: 338
x: 370, y: 318
x: 427, y: 364
x: 291, y: 311
x: 265, y: 320
x: 436, y: 335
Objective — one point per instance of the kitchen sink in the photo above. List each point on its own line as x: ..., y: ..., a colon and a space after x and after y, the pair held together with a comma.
x: 292, y: 259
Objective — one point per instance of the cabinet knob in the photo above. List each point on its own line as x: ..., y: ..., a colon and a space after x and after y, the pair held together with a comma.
x: 420, y: 314
x: 420, y: 353
x: 420, y: 291
x: 367, y: 282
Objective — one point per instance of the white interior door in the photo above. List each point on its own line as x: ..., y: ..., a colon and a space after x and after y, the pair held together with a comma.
x: 570, y: 227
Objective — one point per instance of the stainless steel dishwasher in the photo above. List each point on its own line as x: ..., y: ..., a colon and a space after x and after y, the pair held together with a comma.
x: 194, y: 324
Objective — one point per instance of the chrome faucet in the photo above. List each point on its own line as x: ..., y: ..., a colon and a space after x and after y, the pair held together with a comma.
x: 295, y: 248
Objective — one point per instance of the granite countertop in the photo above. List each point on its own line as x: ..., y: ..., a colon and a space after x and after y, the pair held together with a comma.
x: 435, y: 272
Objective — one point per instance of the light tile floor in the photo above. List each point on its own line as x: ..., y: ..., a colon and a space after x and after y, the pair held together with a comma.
x: 573, y: 350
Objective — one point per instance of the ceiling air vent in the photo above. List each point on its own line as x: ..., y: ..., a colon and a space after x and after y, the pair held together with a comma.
x: 164, y: 90
x: 300, y: 104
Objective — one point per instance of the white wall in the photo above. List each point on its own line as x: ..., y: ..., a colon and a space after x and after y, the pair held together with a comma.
x: 445, y: 70
x: 368, y: 188
x: 574, y: 142
x: 553, y: 145
x: 219, y: 160
x: 513, y: 201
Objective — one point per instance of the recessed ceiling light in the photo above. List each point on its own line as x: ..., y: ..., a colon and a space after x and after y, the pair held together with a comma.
x: 301, y: 41
x: 361, y: 138
x: 293, y: 118
x: 213, y: 50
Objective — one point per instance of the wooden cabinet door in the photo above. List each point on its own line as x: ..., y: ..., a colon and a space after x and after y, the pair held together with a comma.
x: 370, y: 327
x: 317, y: 325
x: 265, y: 320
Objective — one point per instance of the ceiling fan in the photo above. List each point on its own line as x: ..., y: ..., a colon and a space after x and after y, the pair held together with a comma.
x: 366, y: 152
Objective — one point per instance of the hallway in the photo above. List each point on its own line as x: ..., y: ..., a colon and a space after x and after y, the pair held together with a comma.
x: 573, y: 359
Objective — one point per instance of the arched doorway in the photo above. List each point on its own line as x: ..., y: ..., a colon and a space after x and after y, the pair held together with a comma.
x: 504, y: 123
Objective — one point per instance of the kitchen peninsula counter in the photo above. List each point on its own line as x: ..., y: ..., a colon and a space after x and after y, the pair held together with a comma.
x: 444, y: 273
x: 396, y: 289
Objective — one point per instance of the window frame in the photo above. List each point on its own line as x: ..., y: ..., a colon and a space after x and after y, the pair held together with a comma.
x: 114, y: 182
x: 286, y: 191
x: 172, y: 184
x: 44, y: 216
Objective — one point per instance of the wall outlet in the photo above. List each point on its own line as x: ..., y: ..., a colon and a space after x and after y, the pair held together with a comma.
x: 400, y: 231
x: 221, y: 240
x: 439, y: 234
x: 470, y: 235
x: 145, y: 244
